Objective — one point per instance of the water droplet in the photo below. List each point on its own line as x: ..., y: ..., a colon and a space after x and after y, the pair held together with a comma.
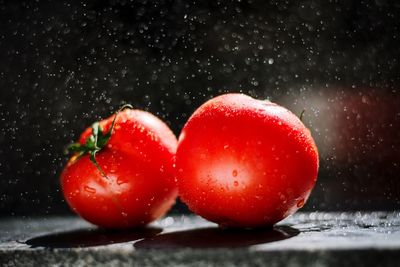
x: 168, y: 221
x: 120, y: 181
x: 234, y: 173
x: 236, y: 183
x: 89, y: 189
x: 300, y: 203
x: 124, y: 214
x: 364, y: 99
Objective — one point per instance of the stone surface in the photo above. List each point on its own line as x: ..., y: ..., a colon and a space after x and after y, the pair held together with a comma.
x: 305, y: 239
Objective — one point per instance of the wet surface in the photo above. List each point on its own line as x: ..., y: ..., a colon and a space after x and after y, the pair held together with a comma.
x: 317, y: 239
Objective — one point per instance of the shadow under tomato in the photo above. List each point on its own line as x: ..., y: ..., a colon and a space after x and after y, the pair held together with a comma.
x: 215, y: 237
x: 91, y: 237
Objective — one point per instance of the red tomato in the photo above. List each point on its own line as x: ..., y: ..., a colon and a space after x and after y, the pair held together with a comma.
x: 137, y: 185
x: 243, y: 162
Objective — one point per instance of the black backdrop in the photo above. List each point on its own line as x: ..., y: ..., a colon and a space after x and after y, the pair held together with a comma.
x: 65, y: 64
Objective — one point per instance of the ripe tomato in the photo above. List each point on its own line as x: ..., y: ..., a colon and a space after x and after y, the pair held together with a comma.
x: 243, y: 162
x: 129, y: 181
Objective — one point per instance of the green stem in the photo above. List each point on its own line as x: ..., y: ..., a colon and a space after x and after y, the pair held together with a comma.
x: 301, y: 115
x: 95, y: 142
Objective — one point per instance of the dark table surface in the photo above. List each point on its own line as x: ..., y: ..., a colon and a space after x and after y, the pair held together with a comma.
x: 304, y: 239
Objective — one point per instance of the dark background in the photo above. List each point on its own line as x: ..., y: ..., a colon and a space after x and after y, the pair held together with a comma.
x: 66, y: 64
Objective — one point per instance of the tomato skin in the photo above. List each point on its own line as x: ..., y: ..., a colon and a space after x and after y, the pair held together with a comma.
x: 243, y: 162
x: 139, y: 163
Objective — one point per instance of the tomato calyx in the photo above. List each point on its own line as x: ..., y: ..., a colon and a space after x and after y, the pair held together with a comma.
x: 301, y: 115
x: 95, y: 142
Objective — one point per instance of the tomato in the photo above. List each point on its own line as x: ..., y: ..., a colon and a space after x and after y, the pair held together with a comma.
x: 127, y: 178
x: 243, y: 162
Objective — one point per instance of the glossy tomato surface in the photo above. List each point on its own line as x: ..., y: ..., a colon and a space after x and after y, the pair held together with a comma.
x: 243, y: 162
x: 138, y: 161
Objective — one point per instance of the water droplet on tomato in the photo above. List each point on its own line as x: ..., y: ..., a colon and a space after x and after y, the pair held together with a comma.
x: 89, y: 189
x: 234, y: 173
x: 120, y: 181
x: 124, y: 214
x: 300, y: 203
x: 236, y: 183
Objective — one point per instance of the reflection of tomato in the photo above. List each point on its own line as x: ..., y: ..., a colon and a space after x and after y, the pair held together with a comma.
x: 137, y: 185
x: 245, y: 163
